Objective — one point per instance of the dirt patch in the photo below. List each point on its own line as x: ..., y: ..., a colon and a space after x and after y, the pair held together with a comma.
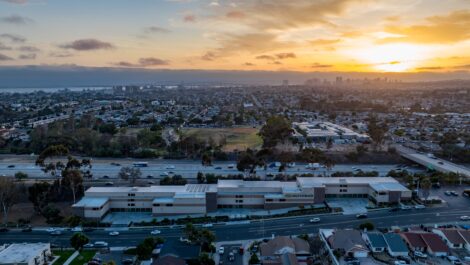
x: 25, y: 211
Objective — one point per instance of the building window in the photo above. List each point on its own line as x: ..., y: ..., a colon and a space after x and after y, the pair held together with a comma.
x: 169, y: 205
x: 238, y: 201
x: 282, y: 200
x: 131, y: 204
x: 238, y: 196
x: 131, y: 194
x: 130, y: 200
x: 269, y: 200
x: 343, y: 186
x: 343, y: 190
x: 156, y: 205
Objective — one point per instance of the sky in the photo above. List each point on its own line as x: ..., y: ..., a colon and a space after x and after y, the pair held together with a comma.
x: 264, y: 35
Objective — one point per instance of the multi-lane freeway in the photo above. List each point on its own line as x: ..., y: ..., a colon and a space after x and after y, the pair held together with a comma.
x: 254, y: 229
x: 158, y: 168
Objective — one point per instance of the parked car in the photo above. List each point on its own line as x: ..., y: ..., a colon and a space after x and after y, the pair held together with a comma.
x: 27, y: 229
x: 454, y: 193
x: 420, y: 254
x: 218, y: 167
x: 50, y: 229
x: 420, y: 206
x: 207, y: 225
x: 11, y: 166
x: 4, y: 229
x: 454, y: 260
x: 221, y: 250
x: 448, y: 193
x: 465, y: 218
x: 56, y: 233
x: 101, y: 244
x: 89, y: 245
x: 314, y: 220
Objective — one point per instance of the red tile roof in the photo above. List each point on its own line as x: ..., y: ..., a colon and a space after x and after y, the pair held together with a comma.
x: 434, y: 243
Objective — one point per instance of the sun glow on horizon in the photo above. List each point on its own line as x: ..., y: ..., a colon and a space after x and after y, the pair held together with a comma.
x: 396, y: 57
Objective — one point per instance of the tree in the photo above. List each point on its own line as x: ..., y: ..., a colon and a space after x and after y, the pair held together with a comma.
x: 39, y: 195
x: 376, y: 131
x: 130, y: 173
x: 204, y: 259
x: 276, y: 130
x: 206, y: 159
x: 20, y: 175
x: 329, y: 164
x: 425, y: 185
x: 8, y: 196
x: 78, y: 240
x: 254, y: 259
x: 191, y: 232
x: 248, y: 161
x: 367, y: 225
x: 52, y: 214
x: 200, y: 177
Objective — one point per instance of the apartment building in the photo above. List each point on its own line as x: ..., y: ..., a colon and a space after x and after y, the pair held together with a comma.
x: 205, y: 198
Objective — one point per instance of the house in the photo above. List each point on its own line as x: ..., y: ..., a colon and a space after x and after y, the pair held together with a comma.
x: 179, y: 249
x: 169, y: 260
x: 435, y: 245
x: 375, y: 241
x: 284, y: 259
x: 25, y: 254
x: 465, y: 234
x: 451, y: 237
x: 284, y: 244
x: 395, y: 245
x: 349, y: 242
x: 426, y: 242
x: 414, y: 241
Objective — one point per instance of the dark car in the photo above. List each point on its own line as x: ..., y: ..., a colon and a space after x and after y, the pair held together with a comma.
x: 395, y: 209
x: 27, y: 229
x: 11, y: 166
x: 88, y: 229
x: 361, y: 216
x: 4, y: 229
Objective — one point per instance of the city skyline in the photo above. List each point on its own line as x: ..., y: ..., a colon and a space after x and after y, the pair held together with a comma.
x: 304, y: 36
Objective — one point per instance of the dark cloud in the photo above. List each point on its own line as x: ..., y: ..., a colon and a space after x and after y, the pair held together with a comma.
x: 151, y: 61
x: 321, y: 42
x: 143, y: 62
x: 30, y: 56
x: 265, y: 57
x: 276, y: 62
x: 88, y: 45
x: 429, y: 68
x: 28, y: 49
x: 5, y: 58
x: 319, y: 65
x: 16, y: 19
x: 60, y: 54
x: 278, y: 56
x: 18, y: 2
x: 248, y: 64
x: 208, y: 56
x: 13, y: 37
x: 286, y: 55
x: 189, y: 18
x: 465, y: 66
x: 155, y: 29
x: 3, y: 47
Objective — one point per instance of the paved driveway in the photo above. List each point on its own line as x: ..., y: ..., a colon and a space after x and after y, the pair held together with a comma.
x: 349, y: 205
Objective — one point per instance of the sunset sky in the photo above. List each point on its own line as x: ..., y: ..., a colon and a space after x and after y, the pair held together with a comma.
x: 334, y: 35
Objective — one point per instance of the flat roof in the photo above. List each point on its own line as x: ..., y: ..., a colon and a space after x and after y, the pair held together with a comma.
x: 22, y: 253
x: 163, y: 200
x: 318, y: 181
x: 393, y: 186
x: 91, y: 202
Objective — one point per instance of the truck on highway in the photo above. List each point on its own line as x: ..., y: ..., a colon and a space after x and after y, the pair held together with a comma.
x: 140, y: 164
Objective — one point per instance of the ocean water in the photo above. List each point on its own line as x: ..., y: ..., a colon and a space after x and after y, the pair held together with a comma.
x: 49, y: 89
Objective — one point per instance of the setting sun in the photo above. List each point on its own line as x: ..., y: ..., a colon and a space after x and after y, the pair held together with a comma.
x: 397, y: 57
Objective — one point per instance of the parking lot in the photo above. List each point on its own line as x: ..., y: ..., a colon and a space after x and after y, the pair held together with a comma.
x: 225, y: 257
x: 349, y: 205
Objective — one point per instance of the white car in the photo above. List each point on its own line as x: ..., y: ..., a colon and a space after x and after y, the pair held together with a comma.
x: 114, y: 233
x: 101, y: 244
x: 77, y: 229
x: 164, y: 174
x: 50, y: 230
x: 170, y: 167
x: 207, y: 225
x: 465, y: 218
x: 155, y: 232
x: 314, y: 220
x: 420, y: 254
x: 420, y: 206
x: 221, y: 250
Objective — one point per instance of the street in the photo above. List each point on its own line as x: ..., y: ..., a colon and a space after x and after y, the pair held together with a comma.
x: 255, y: 229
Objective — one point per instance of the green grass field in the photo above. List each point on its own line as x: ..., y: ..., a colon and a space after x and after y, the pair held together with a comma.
x: 84, y: 257
x: 63, y: 255
x: 236, y: 138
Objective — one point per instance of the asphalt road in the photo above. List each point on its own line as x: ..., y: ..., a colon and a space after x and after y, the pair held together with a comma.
x: 255, y: 229
x: 158, y: 168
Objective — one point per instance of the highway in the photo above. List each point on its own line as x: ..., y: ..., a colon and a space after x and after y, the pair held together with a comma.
x: 158, y: 168
x: 254, y: 229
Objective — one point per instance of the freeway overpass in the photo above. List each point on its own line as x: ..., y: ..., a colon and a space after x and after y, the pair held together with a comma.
x: 432, y: 162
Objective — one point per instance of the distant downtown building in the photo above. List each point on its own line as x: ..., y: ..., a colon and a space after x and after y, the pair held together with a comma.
x: 205, y: 198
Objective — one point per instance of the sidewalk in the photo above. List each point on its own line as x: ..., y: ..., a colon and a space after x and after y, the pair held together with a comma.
x: 71, y: 258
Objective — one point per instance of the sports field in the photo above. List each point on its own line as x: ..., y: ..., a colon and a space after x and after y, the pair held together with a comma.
x: 233, y: 138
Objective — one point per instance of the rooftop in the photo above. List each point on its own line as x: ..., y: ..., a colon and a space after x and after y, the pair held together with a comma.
x: 91, y: 202
x: 22, y: 253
